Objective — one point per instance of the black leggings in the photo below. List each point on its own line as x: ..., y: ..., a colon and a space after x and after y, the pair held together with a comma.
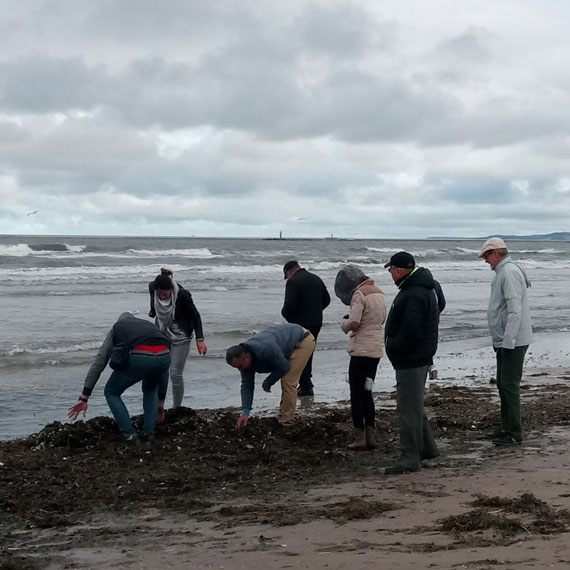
x: 361, y: 401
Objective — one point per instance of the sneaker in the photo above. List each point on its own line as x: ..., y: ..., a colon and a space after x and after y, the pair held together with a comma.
x: 132, y: 440
x: 148, y: 437
x: 398, y: 469
x: 506, y: 440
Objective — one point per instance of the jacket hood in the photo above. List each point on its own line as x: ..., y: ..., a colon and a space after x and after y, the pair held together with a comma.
x: 421, y: 277
x: 509, y: 260
x: 347, y: 280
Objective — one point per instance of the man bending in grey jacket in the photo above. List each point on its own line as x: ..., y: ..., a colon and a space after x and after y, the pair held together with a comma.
x: 282, y: 351
x: 511, y: 331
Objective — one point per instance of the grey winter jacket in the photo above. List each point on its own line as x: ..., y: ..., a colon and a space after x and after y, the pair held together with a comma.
x: 508, y: 312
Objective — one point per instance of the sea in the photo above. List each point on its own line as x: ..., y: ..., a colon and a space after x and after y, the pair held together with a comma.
x: 60, y: 295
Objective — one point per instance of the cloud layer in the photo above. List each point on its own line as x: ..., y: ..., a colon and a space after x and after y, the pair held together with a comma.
x: 360, y: 119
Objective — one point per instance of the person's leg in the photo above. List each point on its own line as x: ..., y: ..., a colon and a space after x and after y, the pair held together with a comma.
x: 410, y: 407
x: 157, y: 366
x: 118, y: 382
x: 511, y: 374
x: 429, y: 447
x: 178, y: 355
x: 305, y: 381
x: 499, y: 359
x: 290, y: 381
x: 370, y: 368
x: 356, y: 379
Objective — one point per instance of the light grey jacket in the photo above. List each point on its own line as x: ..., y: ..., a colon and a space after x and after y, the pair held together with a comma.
x: 508, y: 312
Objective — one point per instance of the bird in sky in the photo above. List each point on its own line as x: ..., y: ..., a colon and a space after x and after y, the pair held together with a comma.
x: 300, y: 219
x: 32, y: 213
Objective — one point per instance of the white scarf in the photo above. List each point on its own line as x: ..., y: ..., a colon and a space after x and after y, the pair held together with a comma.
x: 165, y: 309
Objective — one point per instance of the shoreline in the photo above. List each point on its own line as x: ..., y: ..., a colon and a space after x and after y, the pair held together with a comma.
x: 205, y: 495
x: 468, y: 362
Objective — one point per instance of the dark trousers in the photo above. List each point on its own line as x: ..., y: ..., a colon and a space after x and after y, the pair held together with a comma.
x: 416, y: 438
x: 509, y: 373
x: 361, y: 401
x: 305, y: 382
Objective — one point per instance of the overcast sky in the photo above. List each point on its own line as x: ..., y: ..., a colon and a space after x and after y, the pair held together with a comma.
x: 246, y: 118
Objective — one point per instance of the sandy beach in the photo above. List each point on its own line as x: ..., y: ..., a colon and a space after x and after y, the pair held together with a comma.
x: 205, y: 495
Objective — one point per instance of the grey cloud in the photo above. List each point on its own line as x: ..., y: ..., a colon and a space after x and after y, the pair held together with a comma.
x: 466, y: 49
x: 337, y: 32
x: 42, y: 84
x: 477, y: 191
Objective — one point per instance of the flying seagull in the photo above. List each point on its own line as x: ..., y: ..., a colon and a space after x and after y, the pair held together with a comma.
x: 32, y: 213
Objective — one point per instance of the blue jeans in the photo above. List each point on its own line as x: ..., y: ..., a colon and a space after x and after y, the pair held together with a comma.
x: 146, y: 367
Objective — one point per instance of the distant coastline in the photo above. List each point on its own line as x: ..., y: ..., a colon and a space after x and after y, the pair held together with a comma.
x: 555, y: 236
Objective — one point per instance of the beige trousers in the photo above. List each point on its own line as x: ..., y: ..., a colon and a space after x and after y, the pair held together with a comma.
x: 290, y: 381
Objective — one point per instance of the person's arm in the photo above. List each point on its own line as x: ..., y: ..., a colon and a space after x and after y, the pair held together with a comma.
x: 190, y: 308
x: 247, y: 390
x: 410, y: 331
x: 440, y: 296
x: 289, y: 309
x: 513, y: 289
x: 95, y: 371
x: 152, y: 311
x: 352, y: 323
x: 326, y: 297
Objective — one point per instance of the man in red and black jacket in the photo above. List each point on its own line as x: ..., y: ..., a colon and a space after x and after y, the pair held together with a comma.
x: 137, y: 351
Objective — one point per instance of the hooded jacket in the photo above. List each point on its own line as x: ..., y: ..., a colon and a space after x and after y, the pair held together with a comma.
x: 412, y: 326
x: 367, y: 312
x: 508, y: 313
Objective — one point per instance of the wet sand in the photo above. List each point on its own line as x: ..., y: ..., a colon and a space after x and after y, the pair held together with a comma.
x: 204, y: 495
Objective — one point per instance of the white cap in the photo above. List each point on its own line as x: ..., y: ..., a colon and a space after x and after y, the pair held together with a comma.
x: 491, y: 244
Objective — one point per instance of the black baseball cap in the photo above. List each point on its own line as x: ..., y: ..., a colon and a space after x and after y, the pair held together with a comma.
x: 402, y: 259
x: 289, y: 265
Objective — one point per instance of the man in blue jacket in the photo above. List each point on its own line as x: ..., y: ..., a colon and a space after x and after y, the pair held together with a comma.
x: 282, y: 351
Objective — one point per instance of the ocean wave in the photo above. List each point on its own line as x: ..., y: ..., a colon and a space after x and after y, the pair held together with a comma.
x: 16, y: 250
x: 467, y: 250
x: 548, y: 250
x: 42, y: 274
x: 198, y: 253
x: 43, y: 249
x: 55, y: 349
x: 387, y: 250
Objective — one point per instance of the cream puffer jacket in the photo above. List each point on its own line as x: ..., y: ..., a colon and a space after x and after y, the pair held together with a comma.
x: 365, y: 321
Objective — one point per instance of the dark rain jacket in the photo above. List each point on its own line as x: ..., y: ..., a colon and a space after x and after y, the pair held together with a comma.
x: 412, y: 327
x: 186, y: 314
x: 306, y: 297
